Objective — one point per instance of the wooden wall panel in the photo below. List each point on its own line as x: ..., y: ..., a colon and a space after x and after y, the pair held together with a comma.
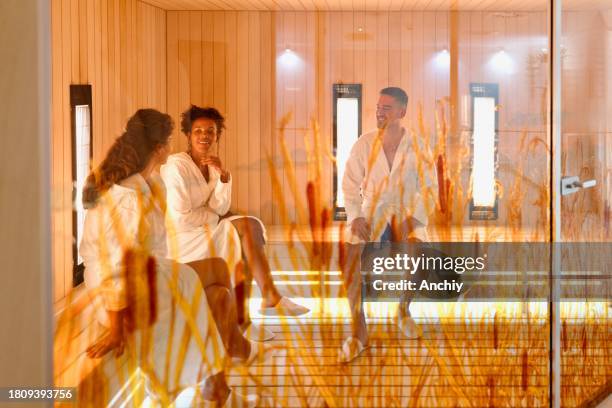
x: 253, y: 163
x: 243, y: 102
x: 230, y: 141
x: 375, y: 48
x: 137, y: 55
x: 119, y: 47
x: 224, y: 59
x: 267, y: 101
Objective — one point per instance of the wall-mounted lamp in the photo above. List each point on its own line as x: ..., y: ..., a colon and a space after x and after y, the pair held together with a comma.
x: 484, y: 201
x: 442, y: 59
x: 288, y: 59
x: 502, y: 62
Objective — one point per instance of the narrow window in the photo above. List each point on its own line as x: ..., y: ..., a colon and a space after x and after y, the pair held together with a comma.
x: 80, y: 104
x: 347, y: 128
x: 483, y: 205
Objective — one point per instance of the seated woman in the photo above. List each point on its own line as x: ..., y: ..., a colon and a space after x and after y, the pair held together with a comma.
x: 142, y: 297
x: 199, y: 196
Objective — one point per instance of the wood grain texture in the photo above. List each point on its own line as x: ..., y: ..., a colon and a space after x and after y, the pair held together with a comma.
x: 117, y: 46
x: 376, y: 49
x: 139, y: 55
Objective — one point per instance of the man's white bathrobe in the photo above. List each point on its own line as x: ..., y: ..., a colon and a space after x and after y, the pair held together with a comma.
x: 194, y: 209
x: 375, y: 192
x: 130, y: 216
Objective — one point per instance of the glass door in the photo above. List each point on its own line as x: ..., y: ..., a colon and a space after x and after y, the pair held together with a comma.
x: 582, y: 172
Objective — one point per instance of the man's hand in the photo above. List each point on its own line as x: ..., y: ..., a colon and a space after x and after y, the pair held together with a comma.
x: 407, y: 229
x: 214, y: 161
x: 361, y: 228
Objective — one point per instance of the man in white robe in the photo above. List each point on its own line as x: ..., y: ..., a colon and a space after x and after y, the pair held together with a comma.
x: 380, y: 189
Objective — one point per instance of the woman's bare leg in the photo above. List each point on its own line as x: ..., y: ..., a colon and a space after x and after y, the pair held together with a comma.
x: 351, y: 273
x: 214, y: 275
x: 242, y: 291
x: 216, y: 388
x: 252, y: 241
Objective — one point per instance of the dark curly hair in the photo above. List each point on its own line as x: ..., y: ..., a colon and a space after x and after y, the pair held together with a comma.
x: 195, y: 112
x: 130, y: 153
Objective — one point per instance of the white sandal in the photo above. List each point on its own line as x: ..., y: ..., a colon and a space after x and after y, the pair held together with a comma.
x: 408, y: 327
x: 254, y: 332
x: 259, y: 352
x: 234, y: 400
x: 284, y: 307
x: 351, y: 349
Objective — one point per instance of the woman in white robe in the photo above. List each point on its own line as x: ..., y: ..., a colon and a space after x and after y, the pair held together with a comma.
x: 199, y: 196
x: 141, y: 297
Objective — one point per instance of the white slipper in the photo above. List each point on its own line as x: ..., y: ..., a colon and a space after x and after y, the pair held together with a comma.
x: 284, y: 307
x: 237, y: 400
x: 234, y: 400
x: 254, y: 332
x: 408, y: 327
x: 351, y: 349
x: 259, y: 353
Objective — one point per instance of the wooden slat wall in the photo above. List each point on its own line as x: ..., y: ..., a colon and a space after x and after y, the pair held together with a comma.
x: 379, y: 49
x: 234, y: 61
x: 119, y: 47
x: 224, y: 59
x: 370, y: 5
x: 392, y: 48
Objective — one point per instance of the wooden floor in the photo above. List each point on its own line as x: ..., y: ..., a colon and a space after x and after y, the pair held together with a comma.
x: 459, y: 362
x: 472, y: 354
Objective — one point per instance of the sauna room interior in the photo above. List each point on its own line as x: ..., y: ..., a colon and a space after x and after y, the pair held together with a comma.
x: 510, y: 120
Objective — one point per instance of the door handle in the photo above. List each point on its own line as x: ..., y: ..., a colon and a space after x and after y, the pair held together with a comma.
x: 570, y: 185
x: 586, y: 184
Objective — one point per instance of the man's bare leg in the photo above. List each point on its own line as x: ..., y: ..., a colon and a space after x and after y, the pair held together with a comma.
x: 351, y: 273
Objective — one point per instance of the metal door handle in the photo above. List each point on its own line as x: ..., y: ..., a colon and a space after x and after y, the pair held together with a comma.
x: 586, y: 184
x: 569, y: 185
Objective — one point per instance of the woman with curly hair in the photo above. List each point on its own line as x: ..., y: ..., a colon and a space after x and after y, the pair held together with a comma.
x: 143, y: 299
x: 199, y: 191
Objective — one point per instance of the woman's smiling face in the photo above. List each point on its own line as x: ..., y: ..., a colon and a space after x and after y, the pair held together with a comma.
x: 203, y: 136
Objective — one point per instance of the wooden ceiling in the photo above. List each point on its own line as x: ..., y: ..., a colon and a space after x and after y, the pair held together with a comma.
x: 375, y: 5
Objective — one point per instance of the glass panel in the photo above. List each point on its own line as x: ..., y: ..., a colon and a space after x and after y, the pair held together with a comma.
x: 348, y: 131
x: 506, y: 50
x: 488, y: 353
x: 483, y: 171
x: 586, y: 137
x: 83, y: 149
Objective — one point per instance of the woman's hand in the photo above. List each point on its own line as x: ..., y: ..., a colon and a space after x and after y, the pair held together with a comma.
x: 112, y: 340
x: 214, y: 161
x: 108, y: 342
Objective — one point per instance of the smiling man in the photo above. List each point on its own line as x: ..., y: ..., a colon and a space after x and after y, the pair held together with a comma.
x: 382, y: 203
